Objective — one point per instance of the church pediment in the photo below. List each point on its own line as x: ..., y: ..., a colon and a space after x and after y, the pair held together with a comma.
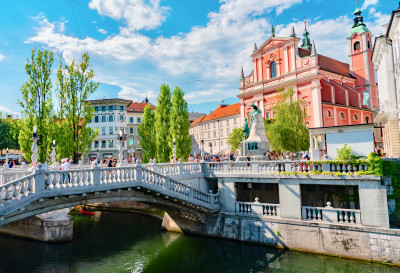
x: 271, y: 42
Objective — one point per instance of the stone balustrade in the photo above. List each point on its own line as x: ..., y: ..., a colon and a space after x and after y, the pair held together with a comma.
x: 257, y: 209
x: 55, y: 183
x: 262, y: 167
x: 331, y: 215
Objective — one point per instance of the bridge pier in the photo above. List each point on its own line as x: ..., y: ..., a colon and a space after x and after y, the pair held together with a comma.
x: 55, y: 226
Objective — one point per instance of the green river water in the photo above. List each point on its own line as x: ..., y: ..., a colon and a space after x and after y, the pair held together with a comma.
x: 129, y: 242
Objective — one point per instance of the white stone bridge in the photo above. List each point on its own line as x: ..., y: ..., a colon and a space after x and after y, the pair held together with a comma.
x: 44, y: 191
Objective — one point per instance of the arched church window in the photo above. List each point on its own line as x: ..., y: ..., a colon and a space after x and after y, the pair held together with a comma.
x: 273, y: 70
x: 369, y: 44
x: 328, y: 113
x: 355, y: 117
x: 357, y: 46
x: 341, y: 115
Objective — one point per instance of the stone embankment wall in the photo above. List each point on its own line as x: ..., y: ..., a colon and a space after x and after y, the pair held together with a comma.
x: 372, y: 244
x: 56, y: 226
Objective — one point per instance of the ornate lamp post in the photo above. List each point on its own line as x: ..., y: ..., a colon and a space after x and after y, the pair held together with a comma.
x: 97, y: 155
x: 53, y: 155
x: 202, y: 149
x: 6, y: 165
x: 174, y: 151
x: 120, y: 148
x: 211, y: 149
x: 35, y: 148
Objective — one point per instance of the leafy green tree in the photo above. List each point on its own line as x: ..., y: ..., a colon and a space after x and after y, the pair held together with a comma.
x: 37, y: 103
x: 7, y: 139
x: 179, y: 122
x: 288, y: 132
x: 162, y: 124
x: 235, y: 138
x: 147, y: 134
x: 345, y: 153
x: 74, y: 86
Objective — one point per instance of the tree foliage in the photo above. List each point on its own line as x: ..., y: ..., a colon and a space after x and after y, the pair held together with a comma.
x: 235, y: 138
x: 147, y: 134
x: 8, y: 137
x: 74, y: 86
x: 179, y: 122
x: 345, y: 153
x: 162, y: 124
x: 37, y: 103
x: 288, y: 132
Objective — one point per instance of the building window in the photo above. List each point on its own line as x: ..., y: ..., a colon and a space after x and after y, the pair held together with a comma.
x: 369, y: 44
x: 103, y: 108
x: 110, y: 130
x: 267, y: 115
x: 214, y: 125
x: 131, y: 130
x: 355, y: 117
x: 96, y: 119
x: 221, y: 133
x: 90, y: 146
x: 110, y: 144
x: 138, y: 120
x: 103, y: 130
x: 96, y: 109
x: 357, y: 46
x: 273, y: 69
x: 328, y: 113
x: 215, y: 134
x: 110, y: 108
x: 131, y: 119
x: 121, y: 118
x: 96, y: 144
x: 234, y: 121
x: 341, y: 115
x: 131, y: 109
x: 367, y: 119
x: 111, y: 118
x: 208, y: 126
x: 103, y: 119
x: 227, y: 132
x: 121, y: 108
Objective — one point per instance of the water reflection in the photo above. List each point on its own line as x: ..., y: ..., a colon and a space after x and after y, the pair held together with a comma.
x: 125, y: 242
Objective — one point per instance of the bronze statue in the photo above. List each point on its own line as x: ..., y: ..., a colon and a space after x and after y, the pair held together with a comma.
x: 246, y: 130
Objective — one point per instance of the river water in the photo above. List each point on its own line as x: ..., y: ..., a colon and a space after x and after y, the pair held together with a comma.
x: 128, y: 242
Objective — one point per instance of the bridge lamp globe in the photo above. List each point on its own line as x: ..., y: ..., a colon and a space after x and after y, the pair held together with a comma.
x: 54, y: 143
x: 34, y: 132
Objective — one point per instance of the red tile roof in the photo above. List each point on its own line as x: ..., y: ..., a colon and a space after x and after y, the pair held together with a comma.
x: 138, y: 107
x: 221, y: 112
x: 329, y: 64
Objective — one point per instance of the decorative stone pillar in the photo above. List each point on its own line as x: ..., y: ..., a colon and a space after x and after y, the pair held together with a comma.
x: 53, y: 156
x: 290, y: 199
x: 34, y: 149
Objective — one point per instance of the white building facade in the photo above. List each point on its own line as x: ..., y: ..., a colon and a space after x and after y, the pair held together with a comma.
x: 214, y: 129
x: 386, y: 57
x: 109, y: 117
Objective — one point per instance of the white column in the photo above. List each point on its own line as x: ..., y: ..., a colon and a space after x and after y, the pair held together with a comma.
x: 317, y: 107
x: 285, y: 59
x: 259, y: 69
x: 293, y: 58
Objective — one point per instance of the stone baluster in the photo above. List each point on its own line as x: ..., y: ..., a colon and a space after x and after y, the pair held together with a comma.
x: 254, y: 166
x: 138, y: 172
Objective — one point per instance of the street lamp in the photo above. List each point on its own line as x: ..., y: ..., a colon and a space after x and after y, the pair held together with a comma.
x: 174, y: 151
x: 202, y: 149
x: 121, y: 151
x: 6, y: 165
x: 34, y: 148
x: 53, y: 154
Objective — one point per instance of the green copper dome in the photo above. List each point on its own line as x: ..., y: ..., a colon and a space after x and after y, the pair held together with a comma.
x: 358, y: 26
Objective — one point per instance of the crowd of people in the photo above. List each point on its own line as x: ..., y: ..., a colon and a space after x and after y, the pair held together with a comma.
x: 271, y: 155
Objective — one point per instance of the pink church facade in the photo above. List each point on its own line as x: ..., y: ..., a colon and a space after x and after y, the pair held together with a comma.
x: 332, y: 93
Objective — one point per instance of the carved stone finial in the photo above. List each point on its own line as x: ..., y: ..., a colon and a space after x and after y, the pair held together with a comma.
x: 242, y: 74
x: 292, y: 32
x: 255, y: 47
x: 313, y: 49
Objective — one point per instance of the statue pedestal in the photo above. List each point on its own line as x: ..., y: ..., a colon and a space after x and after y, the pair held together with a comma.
x: 257, y: 144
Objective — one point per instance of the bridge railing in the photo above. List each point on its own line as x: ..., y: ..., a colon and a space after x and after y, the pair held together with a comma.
x: 331, y: 215
x: 257, y: 209
x: 261, y: 167
x: 96, y: 179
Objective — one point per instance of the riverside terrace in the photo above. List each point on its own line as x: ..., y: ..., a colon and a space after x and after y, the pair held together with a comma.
x: 264, y: 202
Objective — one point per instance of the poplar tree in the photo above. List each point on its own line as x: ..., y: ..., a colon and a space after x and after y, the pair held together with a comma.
x: 147, y: 134
x: 74, y: 86
x: 179, y: 120
x: 162, y: 124
x: 288, y: 132
x: 36, y: 104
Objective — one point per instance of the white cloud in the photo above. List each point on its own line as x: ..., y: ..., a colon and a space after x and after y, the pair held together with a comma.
x: 207, y: 58
x: 102, y: 31
x: 368, y: 3
x: 4, y: 110
x: 2, y: 57
x: 137, y: 13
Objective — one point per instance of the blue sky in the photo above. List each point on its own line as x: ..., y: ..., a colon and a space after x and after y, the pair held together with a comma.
x: 199, y: 45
